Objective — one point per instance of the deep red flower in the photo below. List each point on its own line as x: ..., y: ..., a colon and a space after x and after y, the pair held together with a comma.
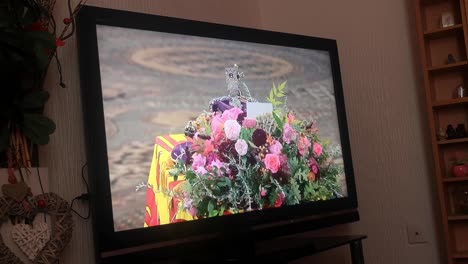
x: 241, y: 117
x: 227, y: 149
x: 259, y: 137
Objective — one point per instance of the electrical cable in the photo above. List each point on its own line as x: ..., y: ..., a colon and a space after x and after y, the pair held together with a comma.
x: 82, y: 197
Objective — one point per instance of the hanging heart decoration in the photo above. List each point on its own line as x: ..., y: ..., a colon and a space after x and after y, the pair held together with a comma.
x: 62, y: 228
x: 31, y: 239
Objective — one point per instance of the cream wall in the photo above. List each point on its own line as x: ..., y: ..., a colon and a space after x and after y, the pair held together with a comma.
x: 384, y: 105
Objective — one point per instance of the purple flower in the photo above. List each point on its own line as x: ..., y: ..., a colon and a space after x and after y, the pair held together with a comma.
x: 289, y: 133
x: 276, y: 147
x: 187, y: 203
x: 217, y: 163
x: 198, y: 161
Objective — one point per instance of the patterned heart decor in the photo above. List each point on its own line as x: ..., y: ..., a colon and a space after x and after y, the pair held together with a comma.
x: 62, y: 229
x: 31, y: 240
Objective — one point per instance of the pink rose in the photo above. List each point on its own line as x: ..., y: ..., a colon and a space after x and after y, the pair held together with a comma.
x: 231, y: 114
x: 232, y: 129
x: 241, y: 147
x: 317, y: 149
x: 262, y: 192
x: 272, y: 162
x: 249, y: 123
x: 276, y: 147
x: 289, y: 133
x: 303, y: 145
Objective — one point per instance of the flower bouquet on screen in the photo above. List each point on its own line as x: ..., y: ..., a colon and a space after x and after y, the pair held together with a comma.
x: 247, y: 155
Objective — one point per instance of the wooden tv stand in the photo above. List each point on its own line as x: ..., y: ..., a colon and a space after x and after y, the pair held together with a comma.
x: 285, y: 249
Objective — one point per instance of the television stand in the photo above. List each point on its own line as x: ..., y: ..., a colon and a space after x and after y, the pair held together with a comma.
x: 286, y: 249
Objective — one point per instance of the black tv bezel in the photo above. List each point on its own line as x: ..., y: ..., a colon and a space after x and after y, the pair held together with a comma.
x: 106, y: 238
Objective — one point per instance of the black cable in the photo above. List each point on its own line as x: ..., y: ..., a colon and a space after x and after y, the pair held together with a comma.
x: 40, y: 180
x: 78, y: 214
x: 59, y: 69
x: 83, y: 177
x: 82, y: 197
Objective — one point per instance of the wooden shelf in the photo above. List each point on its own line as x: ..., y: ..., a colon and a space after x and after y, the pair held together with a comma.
x: 440, y: 82
x: 441, y: 32
x: 460, y: 255
x: 457, y: 217
x: 448, y: 67
x: 455, y: 179
x: 453, y: 141
x: 449, y: 102
x: 432, y: 2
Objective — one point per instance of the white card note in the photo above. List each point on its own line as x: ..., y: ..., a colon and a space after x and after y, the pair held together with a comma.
x: 258, y: 109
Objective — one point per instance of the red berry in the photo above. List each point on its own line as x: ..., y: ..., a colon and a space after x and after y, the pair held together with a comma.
x: 59, y: 42
x: 41, y: 204
x: 67, y: 20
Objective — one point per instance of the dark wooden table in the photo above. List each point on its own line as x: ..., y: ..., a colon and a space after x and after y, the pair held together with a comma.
x: 285, y: 249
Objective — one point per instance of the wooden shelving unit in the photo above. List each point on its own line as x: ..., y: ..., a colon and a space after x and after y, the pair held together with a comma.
x: 455, y: 179
x: 442, y: 32
x: 458, y: 217
x: 444, y: 107
x: 450, y: 102
x: 452, y: 141
x: 447, y: 67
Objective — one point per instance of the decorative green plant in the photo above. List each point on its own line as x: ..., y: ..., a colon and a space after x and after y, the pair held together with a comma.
x: 28, y: 44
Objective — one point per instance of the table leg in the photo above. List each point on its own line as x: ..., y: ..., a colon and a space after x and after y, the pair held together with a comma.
x: 357, y: 255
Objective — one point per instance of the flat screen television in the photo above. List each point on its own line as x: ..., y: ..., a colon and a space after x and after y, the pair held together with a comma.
x: 195, y: 128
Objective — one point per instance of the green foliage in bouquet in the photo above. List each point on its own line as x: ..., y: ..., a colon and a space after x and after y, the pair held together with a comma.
x: 236, y: 164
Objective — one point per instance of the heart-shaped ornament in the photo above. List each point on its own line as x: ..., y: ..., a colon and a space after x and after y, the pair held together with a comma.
x: 17, y: 191
x: 31, y: 240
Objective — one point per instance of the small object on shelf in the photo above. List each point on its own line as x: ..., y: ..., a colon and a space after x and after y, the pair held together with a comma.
x: 460, y: 91
x: 451, y: 59
x: 441, y: 135
x: 460, y: 169
x: 460, y: 199
x: 447, y: 20
x: 460, y: 131
x: 451, y: 133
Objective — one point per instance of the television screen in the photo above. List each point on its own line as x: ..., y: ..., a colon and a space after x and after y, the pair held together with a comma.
x: 199, y: 127
x: 191, y: 122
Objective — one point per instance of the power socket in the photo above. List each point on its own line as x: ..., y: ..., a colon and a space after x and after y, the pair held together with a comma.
x: 416, y: 234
